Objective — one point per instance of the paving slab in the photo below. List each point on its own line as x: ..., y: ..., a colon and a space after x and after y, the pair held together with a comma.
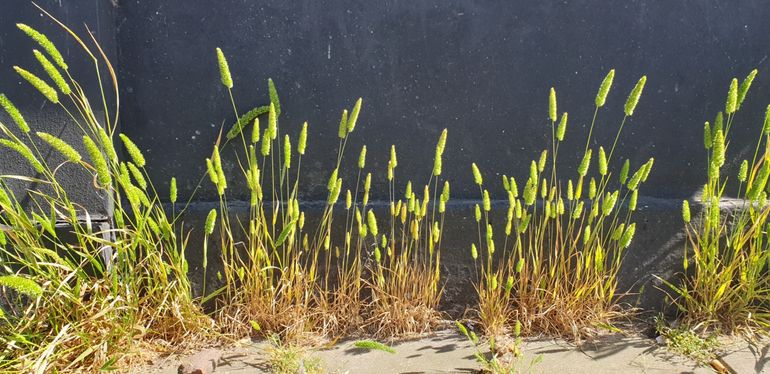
x: 449, y: 352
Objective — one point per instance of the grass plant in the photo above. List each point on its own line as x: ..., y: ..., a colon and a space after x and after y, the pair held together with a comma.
x: 84, y: 300
x: 552, y: 266
x: 726, y: 286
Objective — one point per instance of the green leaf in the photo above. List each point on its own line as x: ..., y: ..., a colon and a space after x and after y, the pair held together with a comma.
x: 285, y: 233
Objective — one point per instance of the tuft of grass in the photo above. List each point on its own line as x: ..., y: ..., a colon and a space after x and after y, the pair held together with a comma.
x: 687, y: 342
x: 291, y: 359
x: 552, y: 265
x: 726, y: 286
x: 373, y: 346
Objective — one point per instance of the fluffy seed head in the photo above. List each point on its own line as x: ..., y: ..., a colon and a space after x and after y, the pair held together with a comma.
x: 624, y: 171
x: 39, y: 85
x: 172, y: 190
x: 541, y: 162
x: 487, y: 202
x: 562, y: 128
x: 552, y: 105
x: 743, y: 171
x: 602, y: 162
x: 476, y: 174
x: 744, y: 88
x: 265, y: 149
x: 732, y: 97
x: 25, y: 152
x: 210, y: 221
x: 604, y: 89
x: 255, y: 131
x: 133, y: 151
x: 224, y: 69
x: 583, y: 167
x: 371, y: 222
x: 302, y: 142
x: 61, y: 146
x: 343, y: 128
x: 45, y: 43
x: 287, y: 151
x: 362, y: 158
x: 272, y: 122
x: 273, y: 93
x: 766, y: 127
x: 99, y: 163
x: 17, y: 118
x: 686, y: 211
x: 707, y: 140
x: 393, y: 159
x: 632, y: 200
x: 138, y: 177
x: 351, y: 125
x: 633, y: 98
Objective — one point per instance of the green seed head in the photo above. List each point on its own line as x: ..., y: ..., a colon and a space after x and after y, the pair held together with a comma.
x: 707, y: 140
x: 562, y: 128
x: 628, y: 235
x: 584, y: 164
x: 348, y: 200
x: 570, y: 191
x: 732, y: 97
x: 474, y: 251
x: 99, y: 163
x: 743, y: 171
x: 25, y: 152
x: 274, y: 96
x: 354, y: 115
x: 52, y: 72
x: 487, y: 202
x: 541, y: 162
x: 61, y: 146
x: 334, y: 194
x: 604, y: 89
x: 302, y: 142
x: 17, y: 118
x: 39, y: 85
x: 592, y: 189
x: 210, y: 222
x: 520, y: 265
x: 362, y: 158
x: 45, y: 43
x: 476, y: 174
x: 744, y: 88
x: 533, y: 173
x: 633, y: 98
x: 138, y: 177
x: 211, y: 171
x: 506, y: 183
x: 286, y: 151
x: 602, y: 162
x: 133, y: 151
x: 514, y: 188
x: 224, y: 69
x: 332, y: 180
x: 371, y: 222
x: 445, y: 192
x: 632, y: 200
x: 368, y: 182
x: 255, y: 131
x: 624, y: 171
x: 265, y: 150
x: 393, y: 159
x: 686, y: 211
x: 172, y: 190
x: 408, y: 190
x: 552, y: 105
x: 477, y: 213
x: 530, y: 192
x: 272, y: 122
x: 343, y: 129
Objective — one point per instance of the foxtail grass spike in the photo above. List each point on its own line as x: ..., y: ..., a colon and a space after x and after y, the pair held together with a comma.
x: 632, y: 200
x: 255, y: 131
x: 718, y: 153
x: 274, y: 96
x: 172, y: 190
x: 302, y: 142
x: 583, y: 167
x: 343, y: 129
x: 633, y: 98
x: 354, y: 115
x: 533, y: 170
x: 742, y: 173
x: 393, y: 159
x: 224, y: 69
x: 25, y: 152
x: 332, y: 180
x: 647, y: 169
x: 514, y: 187
x: 19, y: 120
x: 602, y: 162
x: 732, y: 97
x: 137, y: 174
x: 265, y: 149
x: 562, y: 128
x: 686, y: 211
x: 99, y: 163
x: 133, y: 151
x: 211, y: 219
x: 211, y: 171
x: 334, y: 194
x: 718, y: 124
x: 744, y: 88
x: 371, y: 222
x: 487, y: 202
x: 39, y: 85
x: 61, y: 146
x: 541, y: 162
x: 759, y: 182
x: 272, y: 122
x: 45, y: 43
x: 506, y: 183
x: 108, y: 146
x: 52, y: 72
x: 628, y: 235
x: 592, y: 189
x: 477, y: 174
x: 604, y: 89
x: 477, y: 213
x: 474, y: 251
x: 624, y: 171
x: 348, y: 200
x: 287, y: 151
x: 552, y: 105
x: 570, y: 190
x: 21, y: 285
x: 362, y: 158
x: 707, y: 140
